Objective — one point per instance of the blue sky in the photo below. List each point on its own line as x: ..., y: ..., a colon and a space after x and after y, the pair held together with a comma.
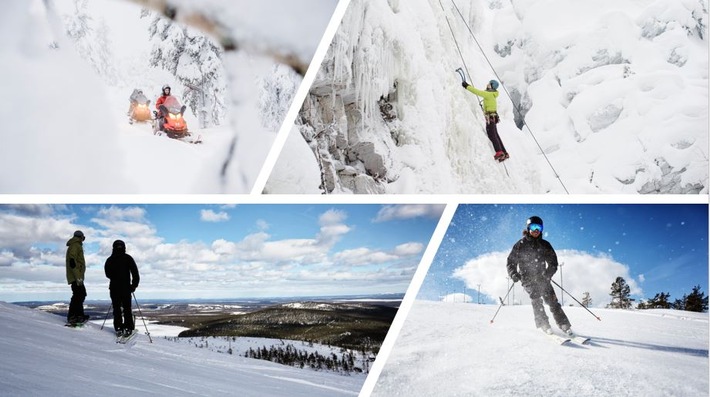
x: 218, y: 251
x: 655, y: 247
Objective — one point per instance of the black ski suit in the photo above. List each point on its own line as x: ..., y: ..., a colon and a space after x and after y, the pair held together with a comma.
x: 534, y: 261
x: 121, y: 269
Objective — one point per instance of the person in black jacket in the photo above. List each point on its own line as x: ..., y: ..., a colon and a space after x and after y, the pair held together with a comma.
x: 533, y: 261
x: 121, y: 269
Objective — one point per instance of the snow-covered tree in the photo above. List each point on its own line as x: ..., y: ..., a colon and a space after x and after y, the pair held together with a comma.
x: 92, y: 43
x: 279, y: 88
x: 196, y: 62
x: 620, y: 292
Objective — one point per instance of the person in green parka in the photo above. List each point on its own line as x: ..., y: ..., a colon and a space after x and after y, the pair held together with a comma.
x: 490, y: 110
x: 76, y: 269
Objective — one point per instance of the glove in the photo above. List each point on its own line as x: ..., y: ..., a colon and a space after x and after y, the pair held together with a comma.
x: 516, y: 277
x: 79, y: 282
x: 133, y: 289
x: 464, y: 84
x: 548, y: 275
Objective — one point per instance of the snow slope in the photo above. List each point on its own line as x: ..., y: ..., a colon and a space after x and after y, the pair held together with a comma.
x: 615, y: 97
x: 42, y: 357
x: 447, y: 349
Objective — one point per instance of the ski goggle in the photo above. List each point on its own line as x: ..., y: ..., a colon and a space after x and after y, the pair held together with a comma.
x: 534, y: 227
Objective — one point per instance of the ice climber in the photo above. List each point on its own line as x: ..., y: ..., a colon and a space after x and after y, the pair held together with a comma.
x: 121, y: 270
x: 76, y: 269
x: 533, y: 262
x: 490, y: 111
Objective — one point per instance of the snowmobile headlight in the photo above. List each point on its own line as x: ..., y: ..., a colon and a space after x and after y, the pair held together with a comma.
x: 172, y: 116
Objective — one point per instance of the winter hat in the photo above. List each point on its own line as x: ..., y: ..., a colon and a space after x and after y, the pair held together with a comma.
x: 494, y: 84
x: 119, y: 245
x: 79, y: 233
x: 531, y: 220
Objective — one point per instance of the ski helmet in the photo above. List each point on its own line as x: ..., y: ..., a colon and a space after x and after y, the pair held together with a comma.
x: 534, y: 220
x: 166, y: 87
x: 79, y: 233
x: 119, y: 245
x: 494, y: 84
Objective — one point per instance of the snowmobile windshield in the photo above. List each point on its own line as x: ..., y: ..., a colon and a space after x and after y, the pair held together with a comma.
x: 172, y: 104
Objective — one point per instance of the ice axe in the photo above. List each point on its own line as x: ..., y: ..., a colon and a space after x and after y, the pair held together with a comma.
x: 460, y: 72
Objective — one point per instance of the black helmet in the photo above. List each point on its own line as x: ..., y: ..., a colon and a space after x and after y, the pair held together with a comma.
x: 79, y: 234
x: 536, y: 220
x: 119, y: 245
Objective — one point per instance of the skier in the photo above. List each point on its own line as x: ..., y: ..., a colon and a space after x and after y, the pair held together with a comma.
x: 533, y: 261
x: 76, y: 268
x: 490, y: 110
x: 121, y: 270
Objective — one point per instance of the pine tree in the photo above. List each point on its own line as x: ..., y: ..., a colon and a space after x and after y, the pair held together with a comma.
x: 660, y: 301
x: 620, y: 292
x: 586, y: 299
x: 196, y: 62
x: 92, y: 44
x: 696, y: 301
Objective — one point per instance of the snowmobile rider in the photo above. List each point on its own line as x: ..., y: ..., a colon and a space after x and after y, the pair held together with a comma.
x: 161, y: 100
x: 76, y: 269
x: 121, y: 270
x: 490, y: 111
x: 533, y: 261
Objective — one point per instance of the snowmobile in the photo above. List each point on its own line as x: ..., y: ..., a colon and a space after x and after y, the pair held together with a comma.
x: 170, y: 119
x: 140, y: 107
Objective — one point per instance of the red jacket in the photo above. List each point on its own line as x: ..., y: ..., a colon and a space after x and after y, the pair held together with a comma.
x: 160, y: 101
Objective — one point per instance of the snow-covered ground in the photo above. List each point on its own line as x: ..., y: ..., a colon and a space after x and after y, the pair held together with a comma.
x: 452, y: 349
x: 615, y: 95
x: 42, y: 357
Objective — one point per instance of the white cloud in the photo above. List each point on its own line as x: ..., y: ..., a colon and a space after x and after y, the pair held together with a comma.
x: 581, y: 272
x: 408, y: 249
x: 409, y: 211
x: 211, y: 216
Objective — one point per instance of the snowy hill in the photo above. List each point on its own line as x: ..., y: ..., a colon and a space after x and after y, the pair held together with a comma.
x: 447, y: 349
x: 42, y: 357
x: 614, y: 94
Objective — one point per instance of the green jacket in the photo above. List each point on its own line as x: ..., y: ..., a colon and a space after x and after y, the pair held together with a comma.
x: 76, y: 266
x: 490, y: 104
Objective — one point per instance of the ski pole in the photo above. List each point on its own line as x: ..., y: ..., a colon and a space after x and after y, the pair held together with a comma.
x: 107, y: 312
x: 575, y: 299
x: 501, y: 302
x: 139, y: 312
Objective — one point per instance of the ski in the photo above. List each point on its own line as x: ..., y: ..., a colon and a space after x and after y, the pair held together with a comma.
x: 559, y: 339
x: 581, y: 340
x: 77, y: 324
x: 125, y: 339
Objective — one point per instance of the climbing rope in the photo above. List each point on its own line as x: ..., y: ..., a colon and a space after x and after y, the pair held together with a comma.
x: 463, y: 77
x: 501, y: 84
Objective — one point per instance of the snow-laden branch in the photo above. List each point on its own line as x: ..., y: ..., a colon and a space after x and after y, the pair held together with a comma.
x: 198, y: 19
